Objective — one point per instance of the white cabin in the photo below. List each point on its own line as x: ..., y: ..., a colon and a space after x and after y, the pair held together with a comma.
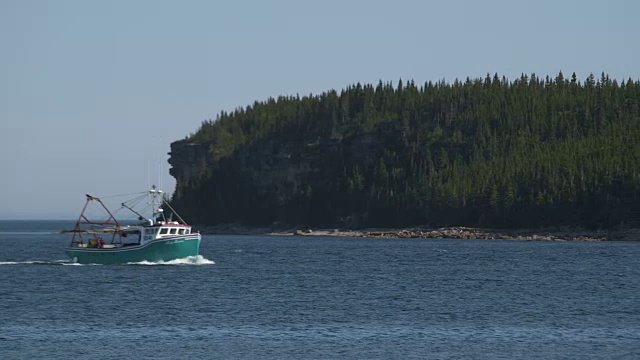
x: 165, y: 229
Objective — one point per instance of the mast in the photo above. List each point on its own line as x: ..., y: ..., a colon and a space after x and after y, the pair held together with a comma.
x: 156, y: 204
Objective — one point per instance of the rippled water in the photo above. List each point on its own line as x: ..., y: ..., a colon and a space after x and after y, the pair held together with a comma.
x: 314, y: 297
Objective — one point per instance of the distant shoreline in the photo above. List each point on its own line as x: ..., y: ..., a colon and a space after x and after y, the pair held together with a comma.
x: 458, y: 232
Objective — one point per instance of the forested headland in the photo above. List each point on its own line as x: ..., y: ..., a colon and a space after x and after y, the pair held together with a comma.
x: 483, y: 152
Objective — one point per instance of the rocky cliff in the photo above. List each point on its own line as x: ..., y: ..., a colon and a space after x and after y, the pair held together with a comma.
x: 277, y: 170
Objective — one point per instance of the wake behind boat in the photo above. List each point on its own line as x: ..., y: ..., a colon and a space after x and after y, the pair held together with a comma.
x: 110, y: 241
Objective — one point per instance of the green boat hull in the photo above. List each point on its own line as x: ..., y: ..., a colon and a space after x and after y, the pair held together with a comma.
x: 154, y: 251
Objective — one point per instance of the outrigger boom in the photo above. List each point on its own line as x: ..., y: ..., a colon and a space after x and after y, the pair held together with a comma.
x: 83, y: 221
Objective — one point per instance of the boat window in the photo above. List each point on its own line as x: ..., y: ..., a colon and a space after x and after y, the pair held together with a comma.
x: 172, y: 231
x: 163, y: 231
x: 187, y: 231
x: 181, y: 232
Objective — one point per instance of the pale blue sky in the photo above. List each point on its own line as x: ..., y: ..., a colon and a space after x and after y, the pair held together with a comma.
x: 92, y: 92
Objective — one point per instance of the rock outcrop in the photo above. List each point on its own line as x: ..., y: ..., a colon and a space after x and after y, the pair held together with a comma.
x: 276, y: 170
x: 188, y: 159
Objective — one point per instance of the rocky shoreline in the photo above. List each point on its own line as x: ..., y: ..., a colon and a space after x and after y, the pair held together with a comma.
x: 437, y: 233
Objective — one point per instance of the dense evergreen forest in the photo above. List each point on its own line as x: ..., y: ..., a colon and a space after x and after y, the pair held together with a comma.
x: 489, y: 152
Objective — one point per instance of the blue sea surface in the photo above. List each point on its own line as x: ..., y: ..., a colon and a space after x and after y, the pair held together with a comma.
x: 256, y: 297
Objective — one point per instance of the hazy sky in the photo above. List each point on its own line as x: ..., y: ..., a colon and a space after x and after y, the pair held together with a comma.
x: 93, y: 92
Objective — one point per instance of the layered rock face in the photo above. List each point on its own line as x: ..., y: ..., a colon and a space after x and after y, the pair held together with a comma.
x: 270, y: 174
x: 187, y: 159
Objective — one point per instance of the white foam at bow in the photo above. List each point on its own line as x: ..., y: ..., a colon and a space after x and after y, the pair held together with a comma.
x: 189, y: 260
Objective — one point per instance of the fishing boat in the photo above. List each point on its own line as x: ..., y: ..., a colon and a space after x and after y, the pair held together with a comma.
x: 158, y: 238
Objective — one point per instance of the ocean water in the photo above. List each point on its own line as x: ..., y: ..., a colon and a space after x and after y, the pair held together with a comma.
x: 253, y: 297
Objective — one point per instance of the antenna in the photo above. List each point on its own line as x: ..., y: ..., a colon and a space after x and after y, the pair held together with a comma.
x: 159, y: 165
x: 148, y: 173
